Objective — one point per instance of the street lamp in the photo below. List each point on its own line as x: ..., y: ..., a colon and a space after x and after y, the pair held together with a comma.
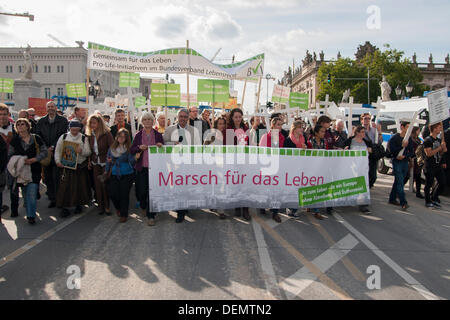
x: 409, y: 88
x: 398, y: 91
x: 94, y: 88
x: 268, y: 77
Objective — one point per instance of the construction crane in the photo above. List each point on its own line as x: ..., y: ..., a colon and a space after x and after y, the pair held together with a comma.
x: 212, y: 59
x: 26, y: 15
x: 57, y: 40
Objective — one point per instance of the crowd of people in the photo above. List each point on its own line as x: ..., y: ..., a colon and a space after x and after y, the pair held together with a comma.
x: 108, y: 160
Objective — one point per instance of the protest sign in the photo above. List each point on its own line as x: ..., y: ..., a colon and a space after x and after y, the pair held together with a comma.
x: 280, y: 94
x: 127, y: 79
x: 299, y: 100
x: 213, y: 90
x: 438, y: 105
x: 6, y: 85
x: 165, y: 94
x: 176, y: 60
x: 76, y: 90
x: 223, y: 177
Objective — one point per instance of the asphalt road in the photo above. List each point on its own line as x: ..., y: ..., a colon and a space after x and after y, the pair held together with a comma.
x: 207, y: 258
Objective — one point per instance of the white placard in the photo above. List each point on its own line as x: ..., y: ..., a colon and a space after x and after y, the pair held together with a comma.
x: 438, y: 105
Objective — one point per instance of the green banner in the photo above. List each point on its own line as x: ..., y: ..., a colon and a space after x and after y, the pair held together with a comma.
x: 129, y: 80
x: 76, y: 89
x: 213, y: 90
x: 139, y: 102
x: 330, y: 191
x: 165, y: 94
x: 299, y: 100
x: 6, y: 85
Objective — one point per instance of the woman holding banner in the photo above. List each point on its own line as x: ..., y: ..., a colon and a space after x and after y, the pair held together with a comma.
x: 217, y: 134
x: 273, y: 139
x: 317, y: 141
x: 236, y: 123
x: 296, y: 139
x: 143, y: 139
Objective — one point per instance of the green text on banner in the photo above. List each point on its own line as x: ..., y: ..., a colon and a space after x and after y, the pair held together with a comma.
x: 213, y: 90
x: 165, y: 94
x: 299, y: 100
x: 280, y: 94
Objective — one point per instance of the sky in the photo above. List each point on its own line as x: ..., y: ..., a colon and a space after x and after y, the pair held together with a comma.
x: 282, y: 29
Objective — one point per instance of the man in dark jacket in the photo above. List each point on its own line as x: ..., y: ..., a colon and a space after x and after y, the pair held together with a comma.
x: 400, y: 164
x: 120, y: 123
x: 50, y: 128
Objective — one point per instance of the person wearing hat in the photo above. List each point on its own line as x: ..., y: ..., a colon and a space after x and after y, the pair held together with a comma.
x: 74, y: 189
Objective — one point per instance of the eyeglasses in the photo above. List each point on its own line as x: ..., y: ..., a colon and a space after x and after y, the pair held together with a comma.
x: 366, y: 118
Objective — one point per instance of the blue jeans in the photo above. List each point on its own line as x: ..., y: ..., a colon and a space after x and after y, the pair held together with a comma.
x: 30, y: 199
x: 400, y: 169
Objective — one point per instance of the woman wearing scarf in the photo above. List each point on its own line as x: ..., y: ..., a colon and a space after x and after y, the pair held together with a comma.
x: 143, y: 139
x: 273, y: 139
x: 296, y: 139
x: 100, y: 139
x: 235, y: 122
x: 121, y: 164
x: 74, y: 189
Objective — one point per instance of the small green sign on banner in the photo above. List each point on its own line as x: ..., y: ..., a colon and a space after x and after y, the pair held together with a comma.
x: 213, y: 90
x: 6, y: 85
x: 164, y: 94
x: 299, y: 100
x: 330, y: 191
x: 139, y: 102
x: 76, y: 89
x: 127, y: 79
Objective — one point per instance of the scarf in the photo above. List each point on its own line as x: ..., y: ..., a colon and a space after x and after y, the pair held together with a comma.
x: 298, y: 143
x: 119, y: 151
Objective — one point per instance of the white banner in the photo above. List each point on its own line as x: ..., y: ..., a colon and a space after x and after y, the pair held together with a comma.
x: 176, y: 60
x: 225, y: 177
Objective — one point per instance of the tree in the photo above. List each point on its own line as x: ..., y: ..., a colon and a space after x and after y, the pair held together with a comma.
x: 390, y: 62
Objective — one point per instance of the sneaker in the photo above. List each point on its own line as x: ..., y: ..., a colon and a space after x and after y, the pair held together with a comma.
x: 365, y: 210
x: 420, y: 196
x: 179, y: 220
x: 437, y: 205
x: 150, y: 222
x: 437, y: 200
x: 52, y: 204
x: 429, y: 205
x: 405, y: 206
x: 31, y: 220
x: 276, y: 217
x: 395, y: 202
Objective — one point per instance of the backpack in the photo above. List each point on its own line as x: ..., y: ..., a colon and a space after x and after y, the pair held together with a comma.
x: 420, y: 155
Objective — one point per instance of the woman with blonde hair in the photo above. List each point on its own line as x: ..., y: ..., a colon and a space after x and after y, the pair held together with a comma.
x: 100, y: 139
x: 143, y: 139
x: 120, y: 162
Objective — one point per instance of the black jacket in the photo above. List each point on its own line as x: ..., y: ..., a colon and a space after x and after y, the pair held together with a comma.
x: 114, y: 130
x: 50, y: 132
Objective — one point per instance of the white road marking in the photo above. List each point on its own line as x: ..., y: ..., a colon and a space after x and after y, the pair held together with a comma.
x: 399, y: 270
x: 35, y: 242
x: 300, y: 280
x: 266, y: 263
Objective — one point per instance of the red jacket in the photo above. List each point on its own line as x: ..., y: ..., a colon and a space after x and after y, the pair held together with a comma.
x: 266, y: 140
